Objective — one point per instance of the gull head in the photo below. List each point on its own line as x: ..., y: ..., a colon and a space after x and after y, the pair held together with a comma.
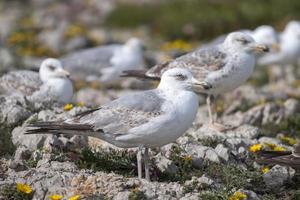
x: 52, y: 68
x: 242, y: 42
x: 135, y: 44
x: 180, y: 79
x: 268, y: 36
x: 292, y: 29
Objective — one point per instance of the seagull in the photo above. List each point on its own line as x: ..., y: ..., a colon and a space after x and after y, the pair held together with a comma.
x: 289, y: 42
x: 287, y: 158
x: 106, y: 63
x: 146, y: 119
x: 224, y: 67
x: 52, y: 80
x: 264, y: 34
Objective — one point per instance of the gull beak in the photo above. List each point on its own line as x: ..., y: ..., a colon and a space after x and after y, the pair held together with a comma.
x: 259, y: 48
x: 63, y: 73
x: 199, y: 86
x: 275, y: 47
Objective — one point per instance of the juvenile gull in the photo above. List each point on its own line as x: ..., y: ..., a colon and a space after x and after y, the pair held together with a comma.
x: 263, y: 34
x: 51, y: 80
x: 105, y: 63
x: 224, y: 67
x: 146, y: 119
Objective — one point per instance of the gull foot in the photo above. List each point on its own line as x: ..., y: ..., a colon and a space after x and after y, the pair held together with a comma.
x: 219, y: 127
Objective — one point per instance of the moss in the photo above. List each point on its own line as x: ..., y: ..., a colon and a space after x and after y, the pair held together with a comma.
x: 136, y: 194
x: 233, y: 176
x: 210, y: 142
x: 214, y: 196
x: 120, y: 162
x: 7, y: 148
x: 10, y: 192
x: 184, y: 165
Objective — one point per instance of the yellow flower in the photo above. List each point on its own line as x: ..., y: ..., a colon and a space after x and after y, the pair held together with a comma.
x: 80, y: 104
x: 279, y: 148
x: 275, y: 147
x: 68, y: 107
x: 288, y: 140
x: 24, y: 188
x: 255, y: 148
x: 75, y: 197
x: 188, y: 158
x: 55, y: 197
x: 238, y: 196
x: 265, y: 170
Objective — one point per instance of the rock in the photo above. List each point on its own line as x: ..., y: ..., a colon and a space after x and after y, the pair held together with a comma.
x: 277, y: 176
x: 244, y: 131
x: 222, y: 152
x: 13, y: 110
x: 92, y: 97
x: 291, y: 107
x: 250, y: 194
x: 206, y: 132
x: 264, y: 114
x: 212, y: 156
x: 32, y: 142
x: 165, y: 165
x: 122, y: 196
x: 235, y: 143
x: 22, y: 153
x: 205, y: 181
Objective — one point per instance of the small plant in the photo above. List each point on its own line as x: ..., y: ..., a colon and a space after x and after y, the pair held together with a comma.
x: 16, y: 192
x: 136, y: 194
x: 184, y: 165
x: 120, y: 162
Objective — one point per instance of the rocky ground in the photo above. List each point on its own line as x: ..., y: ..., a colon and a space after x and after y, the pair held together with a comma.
x: 202, y: 164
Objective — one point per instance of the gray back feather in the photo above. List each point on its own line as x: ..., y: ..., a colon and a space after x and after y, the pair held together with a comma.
x: 120, y: 115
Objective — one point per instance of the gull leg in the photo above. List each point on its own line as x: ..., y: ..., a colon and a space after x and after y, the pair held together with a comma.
x: 209, y: 102
x: 139, y: 162
x: 146, y: 159
x: 212, y: 121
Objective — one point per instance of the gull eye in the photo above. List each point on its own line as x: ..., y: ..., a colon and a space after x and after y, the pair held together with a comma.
x: 242, y: 40
x: 180, y: 77
x: 51, y: 67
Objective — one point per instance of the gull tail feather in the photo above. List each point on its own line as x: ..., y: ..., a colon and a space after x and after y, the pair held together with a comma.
x: 59, y: 128
x: 138, y: 74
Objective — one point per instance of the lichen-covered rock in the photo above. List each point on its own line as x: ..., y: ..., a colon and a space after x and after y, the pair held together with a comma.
x: 277, y: 176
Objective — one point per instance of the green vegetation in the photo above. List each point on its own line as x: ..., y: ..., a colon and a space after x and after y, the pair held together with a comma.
x: 196, y: 19
x: 10, y: 192
x: 136, y: 194
x: 6, y: 146
x: 120, y: 162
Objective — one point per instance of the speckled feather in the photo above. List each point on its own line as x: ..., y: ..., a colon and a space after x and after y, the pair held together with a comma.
x: 200, y: 62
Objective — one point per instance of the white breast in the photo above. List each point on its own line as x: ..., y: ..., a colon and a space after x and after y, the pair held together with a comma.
x: 232, y: 75
x: 62, y: 89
